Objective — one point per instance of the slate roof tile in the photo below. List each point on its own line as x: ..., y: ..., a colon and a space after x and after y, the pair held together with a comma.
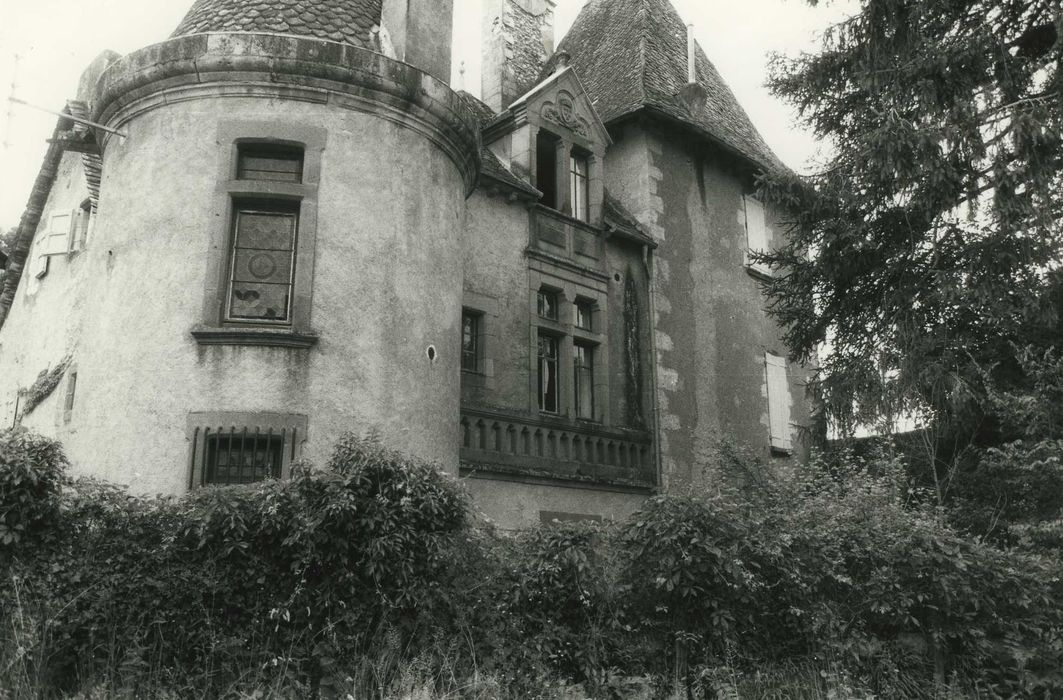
x: 632, y: 55
x: 92, y: 163
x: 346, y: 21
x: 490, y: 165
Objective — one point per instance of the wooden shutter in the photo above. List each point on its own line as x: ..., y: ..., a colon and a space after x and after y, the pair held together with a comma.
x: 756, y: 232
x: 60, y: 228
x: 778, y: 401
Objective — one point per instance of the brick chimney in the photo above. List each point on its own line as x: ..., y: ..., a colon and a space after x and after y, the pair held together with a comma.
x: 518, y: 38
x: 418, y: 32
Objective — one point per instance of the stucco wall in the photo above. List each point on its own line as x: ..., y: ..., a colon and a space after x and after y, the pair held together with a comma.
x: 46, y: 318
x: 496, y: 283
x: 711, y: 330
x: 386, y: 285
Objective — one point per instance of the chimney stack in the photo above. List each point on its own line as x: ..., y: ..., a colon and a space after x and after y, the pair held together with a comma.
x: 692, y: 68
x: 418, y: 32
x: 692, y: 94
x: 518, y: 38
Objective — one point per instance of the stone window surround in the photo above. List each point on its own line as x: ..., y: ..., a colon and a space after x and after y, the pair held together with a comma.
x: 214, y: 329
x: 487, y: 309
x: 200, y: 424
x: 569, y: 288
x: 566, y: 142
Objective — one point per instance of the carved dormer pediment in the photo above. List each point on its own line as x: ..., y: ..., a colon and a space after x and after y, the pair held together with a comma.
x: 562, y: 112
x: 560, y: 104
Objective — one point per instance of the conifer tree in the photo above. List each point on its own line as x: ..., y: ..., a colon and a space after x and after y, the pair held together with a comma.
x: 924, y: 256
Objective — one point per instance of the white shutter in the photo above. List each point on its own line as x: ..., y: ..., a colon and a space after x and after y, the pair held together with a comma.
x: 756, y: 232
x: 57, y: 240
x: 778, y: 401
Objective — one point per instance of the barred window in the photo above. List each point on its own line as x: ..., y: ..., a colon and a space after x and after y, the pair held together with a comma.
x: 242, y: 448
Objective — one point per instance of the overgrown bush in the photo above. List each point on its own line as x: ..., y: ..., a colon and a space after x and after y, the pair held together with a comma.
x: 32, y: 474
x: 280, y: 577
x: 368, y: 579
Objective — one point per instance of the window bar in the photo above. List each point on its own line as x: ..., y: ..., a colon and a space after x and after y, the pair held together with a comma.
x: 280, y: 467
x: 192, y: 465
x: 269, y: 454
x: 293, y: 445
x: 257, y: 465
x: 208, y: 468
x: 242, y: 457
x: 229, y: 454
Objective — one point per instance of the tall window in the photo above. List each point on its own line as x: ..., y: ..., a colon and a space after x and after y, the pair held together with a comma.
x: 263, y: 262
x: 470, y: 341
x: 264, y: 232
x: 579, y: 189
x: 546, y: 146
x: 583, y: 374
x: 548, y: 379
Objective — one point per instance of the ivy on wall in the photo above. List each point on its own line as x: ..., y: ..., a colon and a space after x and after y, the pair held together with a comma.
x: 43, y: 386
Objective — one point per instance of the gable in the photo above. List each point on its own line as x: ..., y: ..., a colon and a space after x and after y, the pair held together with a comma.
x: 561, y: 104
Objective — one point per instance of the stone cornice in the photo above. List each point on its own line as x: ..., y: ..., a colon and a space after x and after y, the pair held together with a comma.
x: 203, y: 66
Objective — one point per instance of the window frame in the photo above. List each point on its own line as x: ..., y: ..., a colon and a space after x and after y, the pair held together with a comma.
x: 555, y: 340
x: 584, y: 308
x: 579, y: 193
x: 477, y: 355
x: 579, y: 372
x: 259, y: 206
x: 230, y: 193
x: 553, y: 297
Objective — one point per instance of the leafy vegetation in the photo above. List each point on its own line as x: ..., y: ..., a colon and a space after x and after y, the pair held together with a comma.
x: 368, y: 579
x: 936, y: 226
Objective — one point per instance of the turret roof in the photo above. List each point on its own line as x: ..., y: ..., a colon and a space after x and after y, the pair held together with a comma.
x: 632, y: 56
x: 345, y: 21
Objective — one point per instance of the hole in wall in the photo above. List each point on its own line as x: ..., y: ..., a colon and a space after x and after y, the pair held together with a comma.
x: 616, y: 277
x: 431, y: 353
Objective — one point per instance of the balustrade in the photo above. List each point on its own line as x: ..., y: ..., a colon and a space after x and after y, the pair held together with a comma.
x: 515, y: 444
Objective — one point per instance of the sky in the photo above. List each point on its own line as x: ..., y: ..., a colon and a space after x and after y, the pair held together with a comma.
x: 55, y: 39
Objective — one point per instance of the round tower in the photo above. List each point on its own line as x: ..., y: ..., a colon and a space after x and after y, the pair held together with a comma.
x: 276, y: 257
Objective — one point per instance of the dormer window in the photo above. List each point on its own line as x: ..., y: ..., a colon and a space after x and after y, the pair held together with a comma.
x: 579, y: 185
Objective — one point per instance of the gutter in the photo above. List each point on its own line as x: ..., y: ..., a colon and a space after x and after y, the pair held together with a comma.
x: 31, y: 217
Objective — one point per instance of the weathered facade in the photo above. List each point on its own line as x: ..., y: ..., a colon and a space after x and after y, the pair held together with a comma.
x: 293, y: 227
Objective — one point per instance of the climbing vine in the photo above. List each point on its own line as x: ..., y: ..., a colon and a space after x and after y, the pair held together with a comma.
x: 43, y: 386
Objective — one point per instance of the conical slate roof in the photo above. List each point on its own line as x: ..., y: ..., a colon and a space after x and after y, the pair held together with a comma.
x: 632, y: 55
x: 345, y: 21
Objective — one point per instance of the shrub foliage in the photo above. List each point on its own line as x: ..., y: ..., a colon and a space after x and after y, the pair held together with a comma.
x: 347, y: 580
